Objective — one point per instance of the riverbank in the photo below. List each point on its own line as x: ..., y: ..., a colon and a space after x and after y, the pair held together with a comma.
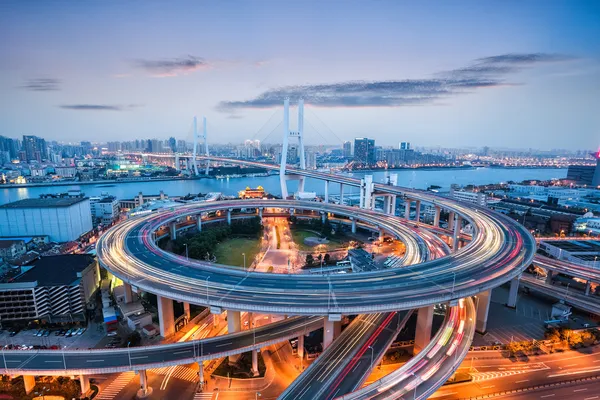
x: 108, y: 182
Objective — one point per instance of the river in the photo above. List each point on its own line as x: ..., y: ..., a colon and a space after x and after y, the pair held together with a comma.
x: 419, y: 179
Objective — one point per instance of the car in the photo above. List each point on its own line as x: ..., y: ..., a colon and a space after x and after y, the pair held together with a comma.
x: 82, y: 331
x: 35, y: 333
x: 113, y: 333
x: 69, y: 333
x: 46, y: 333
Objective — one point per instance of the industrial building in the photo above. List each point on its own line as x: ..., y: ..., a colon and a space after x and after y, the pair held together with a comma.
x: 62, y: 219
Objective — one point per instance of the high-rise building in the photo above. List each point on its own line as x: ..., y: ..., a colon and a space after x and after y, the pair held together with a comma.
x: 173, y: 144
x: 584, y: 174
x: 364, y: 151
x: 311, y: 159
x: 404, y: 146
x: 34, y: 148
x: 9, y: 146
x: 347, y: 149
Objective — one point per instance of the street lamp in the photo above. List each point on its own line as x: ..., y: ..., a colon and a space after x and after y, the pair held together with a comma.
x: 129, y: 354
x: 244, y: 254
x: 186, y: 251
x: 372, y: 351
x: 207, y: 301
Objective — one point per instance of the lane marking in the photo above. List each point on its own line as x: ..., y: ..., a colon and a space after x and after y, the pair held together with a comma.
x: 95, y: 360
x: 580, y: 390
x: 138, y: 357
x: 548, y: 395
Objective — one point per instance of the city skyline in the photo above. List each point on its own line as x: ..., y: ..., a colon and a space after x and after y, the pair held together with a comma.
x: 398, y: 72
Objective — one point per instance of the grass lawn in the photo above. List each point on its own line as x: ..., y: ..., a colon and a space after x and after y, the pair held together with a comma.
x: 230, y: 251
x: 298, y: 236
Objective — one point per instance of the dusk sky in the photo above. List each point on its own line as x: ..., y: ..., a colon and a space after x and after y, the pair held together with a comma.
x: 513, y: 74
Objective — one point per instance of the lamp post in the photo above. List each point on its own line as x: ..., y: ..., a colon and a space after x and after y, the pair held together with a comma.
x: 129, y: 354
x: 244, y: 254
x: 372, y: 351
x: 207, y: 300
x: 186, y: 251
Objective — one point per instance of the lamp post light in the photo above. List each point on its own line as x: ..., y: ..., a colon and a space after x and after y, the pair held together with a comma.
x: 244, y: 254
x: 207, y: 300
x: 187, y: 257
x: 129, y: 354
x: 372, y: 351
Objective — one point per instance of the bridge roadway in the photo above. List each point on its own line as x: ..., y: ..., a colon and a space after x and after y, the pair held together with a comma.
x: 568, y: 268
x: 501, y: 252
x: 85, y: 362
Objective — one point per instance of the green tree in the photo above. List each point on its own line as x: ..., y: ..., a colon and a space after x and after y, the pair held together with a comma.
x: 309, y: 259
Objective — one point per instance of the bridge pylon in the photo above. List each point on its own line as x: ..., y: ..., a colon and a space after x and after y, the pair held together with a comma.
x: 284, y: 151
x: 195, y: 152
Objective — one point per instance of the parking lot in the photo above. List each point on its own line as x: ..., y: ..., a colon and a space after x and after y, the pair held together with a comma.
x: 58, y: 338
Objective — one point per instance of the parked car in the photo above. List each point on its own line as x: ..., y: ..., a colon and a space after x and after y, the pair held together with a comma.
x: 46, y: 333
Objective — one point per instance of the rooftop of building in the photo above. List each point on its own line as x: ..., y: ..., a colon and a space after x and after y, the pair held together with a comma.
x: 6, y: 243
x: 577, y: 246
x: 44, y: 203
x: 56, y: 270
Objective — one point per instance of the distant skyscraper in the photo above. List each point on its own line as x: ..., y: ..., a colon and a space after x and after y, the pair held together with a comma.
x: 311, y: 160
x: 364, y: 151
x: 347, y: 150
x: 173, y: 144
x: 404, y: 146
x: 34, y: 148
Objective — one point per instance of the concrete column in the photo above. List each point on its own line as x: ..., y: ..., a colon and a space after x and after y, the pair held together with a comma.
x: 361, y: 203
x: 407, y: 209
x: 588, y: 286
x: 456, y: 234
x: 451, y: 220
x: 393, y: 205
x: 29, y: 383
x: 483, y: 306
x: 353, y: 224
x: 381, y: 234
x: 144, y: 389
x: 260, y: 213
x: 215, y: 318
x: 323, y: 217
x: 255, y: 362
x: 328, y: 332
x: 423, y: 332
x: 128, y: 292
x: 549, y: 277
x: 337, y: 329
x: 386, y: 205
x: 417, y: 210
x: 201, y: 373
x: 326, y: 192
x: 229, y: 216
x: 199, y: 222
x: 436, y: 218
x: 173, y: 230
x: 341, y: 194
x: 84, y: 382
x: 186, y: 310
x: 140, y: 199
x: 301, y: 346
x: 234, y: 324
x: 165, y: 316
x: 513, y: 292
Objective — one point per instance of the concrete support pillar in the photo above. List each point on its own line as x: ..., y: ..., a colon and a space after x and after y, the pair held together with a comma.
x: 337, y: 329
x: 186, y: 310
x: 353, y: 224
x: 215, y: 318
x: 381, y: 235
x: 201, y: 373
x: 341, y: 194
x: 260, y: 213
x: 588, y: 286
x: 166, y: 317
x: 84, y: 382
x: 145, y: 390
x: 361, y: 190
x: 128, y: 292
x: 456, y: 234
x: 173, y: 230
x: 483, y: 306
x: 328, y: 332
x: 229, y: 216
x: 29, y: 383
x: 436, y: 218
x: 323, y: 217
x: 301, y: 346
x: 423, y: 332
x: 451, y: 220
x: 392, y: 210
x: 255, y: 362
x: 386, y: 205
x: 199, y: 222
x: 549, y: 277
x: 513, y: 292
x: 326, y: 199
x: 417, y: 210
x: 407, y: 209
x: 234, y: 324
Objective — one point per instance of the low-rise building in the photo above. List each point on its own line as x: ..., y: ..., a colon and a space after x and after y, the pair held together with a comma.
x: 54, y: 289
x: 105, y: 209
x: 478, y: 198
x: 12, y: 248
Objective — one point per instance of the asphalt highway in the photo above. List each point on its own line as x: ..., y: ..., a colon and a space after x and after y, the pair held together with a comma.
x: 72, y: 362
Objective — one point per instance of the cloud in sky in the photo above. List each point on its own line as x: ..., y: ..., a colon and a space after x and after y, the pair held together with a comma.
x: 172, y: 66
x: 98, y: 107
x: 42, y: 84
x: 482, y: 73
